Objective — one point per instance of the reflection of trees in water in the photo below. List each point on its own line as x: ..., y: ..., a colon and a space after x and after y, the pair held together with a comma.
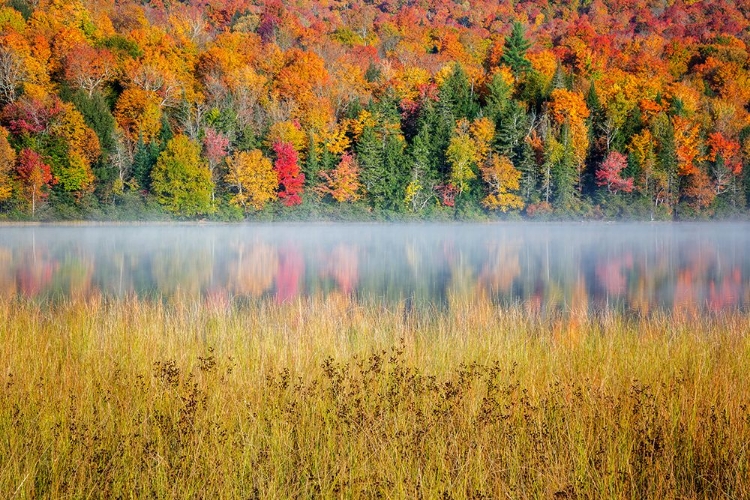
x: 73, y: 277
x: 611, y: 273
x: 549, y: 272
x: 291, y: 270
x: 7, y: 276
x: 501, y: 268
x: 252, y: 268
x: 343, y: 267
x: 184, y: 271
x: 463, y: 283
x: 726, y: 292
x: 35, y: 271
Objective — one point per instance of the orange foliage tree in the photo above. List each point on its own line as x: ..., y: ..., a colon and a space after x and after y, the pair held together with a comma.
x: 342, y: 183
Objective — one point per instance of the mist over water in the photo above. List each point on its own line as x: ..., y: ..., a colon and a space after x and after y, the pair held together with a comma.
x: 546, y: 267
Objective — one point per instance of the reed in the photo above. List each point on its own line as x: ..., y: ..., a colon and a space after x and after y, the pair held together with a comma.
x: 330, y: 398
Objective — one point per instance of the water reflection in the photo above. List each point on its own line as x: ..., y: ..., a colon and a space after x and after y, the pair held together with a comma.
x: 641, y: 268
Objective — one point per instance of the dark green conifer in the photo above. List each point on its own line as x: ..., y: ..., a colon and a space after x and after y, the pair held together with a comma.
x: 514, y: 52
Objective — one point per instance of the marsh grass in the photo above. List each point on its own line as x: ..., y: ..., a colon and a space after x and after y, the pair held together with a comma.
x: 327, y: 398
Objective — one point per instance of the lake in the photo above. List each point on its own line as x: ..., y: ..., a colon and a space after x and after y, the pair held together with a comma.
x: 546, y: 267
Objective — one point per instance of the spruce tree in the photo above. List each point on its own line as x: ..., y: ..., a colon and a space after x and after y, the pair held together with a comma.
x: 370, y: 157
x: 514, y: 52
x: 498, y: 97
x: 144, y: 160
x: 311, y: 168
x: 458, y: 91
x: 396, y: 170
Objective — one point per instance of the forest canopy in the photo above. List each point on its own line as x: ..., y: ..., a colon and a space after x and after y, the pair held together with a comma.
x: 230, y: 109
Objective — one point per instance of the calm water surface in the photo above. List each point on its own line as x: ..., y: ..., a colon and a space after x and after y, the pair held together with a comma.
x: 638, y: 267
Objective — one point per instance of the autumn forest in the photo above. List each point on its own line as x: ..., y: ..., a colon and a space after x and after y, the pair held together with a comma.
x: 234, y: 109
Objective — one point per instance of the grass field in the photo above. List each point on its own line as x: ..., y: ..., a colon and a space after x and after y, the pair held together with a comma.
x: 327, y: 398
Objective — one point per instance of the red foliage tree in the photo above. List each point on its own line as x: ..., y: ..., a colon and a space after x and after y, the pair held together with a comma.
x: 30, y: 116
x: 609, y: 172
x: 447, y: 194
x: 35, y: 175
x: 291, y: 179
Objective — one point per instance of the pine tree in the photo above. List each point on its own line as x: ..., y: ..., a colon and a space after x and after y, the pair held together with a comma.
x: 526, y: 164
x: 666, y: 156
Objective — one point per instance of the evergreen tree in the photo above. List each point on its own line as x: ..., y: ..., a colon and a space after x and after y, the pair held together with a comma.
x: 144, y: 160
x: 437, y: 120
x: 458, y: 93
x: 511, y: 129
x: 370, y: 158
x: 526, y: 164
x: 597, y: 147
x: 498, y: 97
x: 560, y: 79
x: 666, y: 155
x: 311, y: 168
x: 564, y: 174
x: 396, y: 168
x: 514, y: 52
x: 97, y: 115
x: 423, y: 177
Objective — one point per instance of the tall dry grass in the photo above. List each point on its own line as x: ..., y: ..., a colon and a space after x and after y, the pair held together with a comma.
x: 327, y: 398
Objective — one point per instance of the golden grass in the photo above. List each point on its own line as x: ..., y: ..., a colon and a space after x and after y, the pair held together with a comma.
x: 327, y: 398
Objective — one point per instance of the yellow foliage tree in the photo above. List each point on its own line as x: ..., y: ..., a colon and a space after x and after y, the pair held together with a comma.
x: 254, y: 178
x: 462, y: 156
x: 83, y: 150
x: 502, y: 178
x: 482, y: 130
x: 138, y: 114
x: 687, y: 140
x: 567, y: 106
x: 288, y: 131
x: 335, y: 140
x: 7, y: 161
x: 363, y: 121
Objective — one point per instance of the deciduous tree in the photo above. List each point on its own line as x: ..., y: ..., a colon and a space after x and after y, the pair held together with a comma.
x: 502, y: 179
x: 252, y: 176
x: 215, y: 147
x: 7, y: 162
x: 181, y: 180
x: 88, y: 68
x: 291, y: 179
x: 342, y: 183
x: 35, y: 176
x: 609, y: 174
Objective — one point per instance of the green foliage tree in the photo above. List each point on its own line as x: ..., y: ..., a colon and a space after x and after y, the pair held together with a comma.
x: 181, y: 180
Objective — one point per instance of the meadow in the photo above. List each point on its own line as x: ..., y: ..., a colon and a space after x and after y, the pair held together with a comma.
x: 330, y: 398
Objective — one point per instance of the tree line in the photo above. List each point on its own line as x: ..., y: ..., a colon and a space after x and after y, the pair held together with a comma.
x: 237, y: 109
